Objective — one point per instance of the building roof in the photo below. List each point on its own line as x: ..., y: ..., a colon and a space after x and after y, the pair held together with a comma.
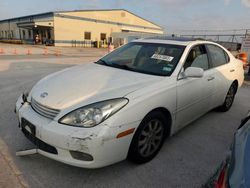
x: 48, y: 14
x: 93, y: 10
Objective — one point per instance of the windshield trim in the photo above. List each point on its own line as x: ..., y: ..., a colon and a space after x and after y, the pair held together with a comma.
x: 130, y: 69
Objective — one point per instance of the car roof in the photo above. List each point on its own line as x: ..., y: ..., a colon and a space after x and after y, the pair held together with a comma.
x: 171, y: 40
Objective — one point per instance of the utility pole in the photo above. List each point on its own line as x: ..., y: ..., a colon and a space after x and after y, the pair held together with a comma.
x: 9, y: 29
x: 232, y: 41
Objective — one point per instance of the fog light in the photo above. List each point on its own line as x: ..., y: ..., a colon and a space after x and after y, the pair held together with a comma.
x: 81, y: 156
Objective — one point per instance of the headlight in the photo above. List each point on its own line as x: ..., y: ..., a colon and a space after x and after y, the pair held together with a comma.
x: 93, y: 114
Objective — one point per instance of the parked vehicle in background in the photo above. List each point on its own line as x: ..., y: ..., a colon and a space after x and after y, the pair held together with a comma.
x: 127, y: 103
x: 235, y: 170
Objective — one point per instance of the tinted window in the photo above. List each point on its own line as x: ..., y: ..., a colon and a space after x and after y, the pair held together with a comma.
x: 197, y: 57
x: 128, y: 54
x: 148, y: 58
x: 217, y: 55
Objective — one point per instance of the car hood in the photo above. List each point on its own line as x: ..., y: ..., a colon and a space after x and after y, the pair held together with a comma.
x: 88, y: 83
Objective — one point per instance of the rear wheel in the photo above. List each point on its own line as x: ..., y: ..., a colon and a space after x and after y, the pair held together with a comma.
x: 148, y: 138
x: 229, y: 98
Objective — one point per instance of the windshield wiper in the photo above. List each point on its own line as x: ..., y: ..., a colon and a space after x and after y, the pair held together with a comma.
x: 125, y: 67
x: 101, y: 61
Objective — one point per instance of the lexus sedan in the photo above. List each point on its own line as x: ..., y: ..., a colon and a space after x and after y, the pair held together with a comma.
x: 126, y: 104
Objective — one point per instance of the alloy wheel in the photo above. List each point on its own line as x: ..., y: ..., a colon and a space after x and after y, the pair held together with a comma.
x: 150, y: 137
x: 230, y: 97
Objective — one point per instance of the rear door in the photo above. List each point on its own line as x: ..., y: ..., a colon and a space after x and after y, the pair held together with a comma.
x: 224, y: 72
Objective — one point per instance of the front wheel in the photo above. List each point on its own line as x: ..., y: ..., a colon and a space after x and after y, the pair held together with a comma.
x: 229, y: 98
x: 148, y: 138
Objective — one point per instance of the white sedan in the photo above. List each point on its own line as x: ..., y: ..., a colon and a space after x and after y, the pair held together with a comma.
x: 126, y: 104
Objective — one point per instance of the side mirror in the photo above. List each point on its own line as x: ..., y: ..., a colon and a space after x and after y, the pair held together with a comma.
x: 194, y: 72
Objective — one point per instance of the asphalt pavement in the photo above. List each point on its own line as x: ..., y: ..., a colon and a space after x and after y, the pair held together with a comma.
x: 186, y: 160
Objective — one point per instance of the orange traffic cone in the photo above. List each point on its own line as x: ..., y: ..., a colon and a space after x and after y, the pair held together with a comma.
x: 15, y: 51
x: 1, y: 51
x: 45, y: 51
x: 57, y: 53
x: 110, y: 48
x: 28, y: 52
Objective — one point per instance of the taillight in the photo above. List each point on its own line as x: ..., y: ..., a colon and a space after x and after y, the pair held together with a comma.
x: 222, y: 179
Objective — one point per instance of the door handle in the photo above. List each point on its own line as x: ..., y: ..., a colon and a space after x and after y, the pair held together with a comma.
x: 210, y: 78
x: 232, y: 70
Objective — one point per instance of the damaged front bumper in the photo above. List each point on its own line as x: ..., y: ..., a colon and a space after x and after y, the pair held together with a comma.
x: 82, y: 147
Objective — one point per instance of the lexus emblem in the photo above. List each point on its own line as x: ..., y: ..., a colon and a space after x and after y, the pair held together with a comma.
x: 44, y: 94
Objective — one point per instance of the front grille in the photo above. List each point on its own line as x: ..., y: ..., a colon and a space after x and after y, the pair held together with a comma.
x: 44, y: 110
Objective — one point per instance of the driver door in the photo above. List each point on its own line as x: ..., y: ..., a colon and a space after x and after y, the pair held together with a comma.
x: 194, y: 94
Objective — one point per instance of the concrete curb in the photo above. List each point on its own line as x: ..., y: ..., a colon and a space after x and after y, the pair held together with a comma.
x: 10, y: 176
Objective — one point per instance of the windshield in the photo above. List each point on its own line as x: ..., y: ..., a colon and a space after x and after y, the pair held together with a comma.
x: 148, y: 58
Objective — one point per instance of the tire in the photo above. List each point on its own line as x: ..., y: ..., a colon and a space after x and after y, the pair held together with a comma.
x: 148, y: 138
x: 229, y: 98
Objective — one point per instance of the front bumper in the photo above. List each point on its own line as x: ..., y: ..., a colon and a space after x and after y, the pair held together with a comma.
x: 100, y: 142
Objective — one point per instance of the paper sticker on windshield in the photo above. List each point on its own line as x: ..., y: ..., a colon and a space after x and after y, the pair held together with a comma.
x: 166, y: 69
x: 162, y: 57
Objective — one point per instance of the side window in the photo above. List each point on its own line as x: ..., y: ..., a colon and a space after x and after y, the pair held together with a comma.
x: 197, y: 57
x: 217, y: 54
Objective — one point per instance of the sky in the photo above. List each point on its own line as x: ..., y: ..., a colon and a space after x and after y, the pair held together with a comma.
x: 174, y: 16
